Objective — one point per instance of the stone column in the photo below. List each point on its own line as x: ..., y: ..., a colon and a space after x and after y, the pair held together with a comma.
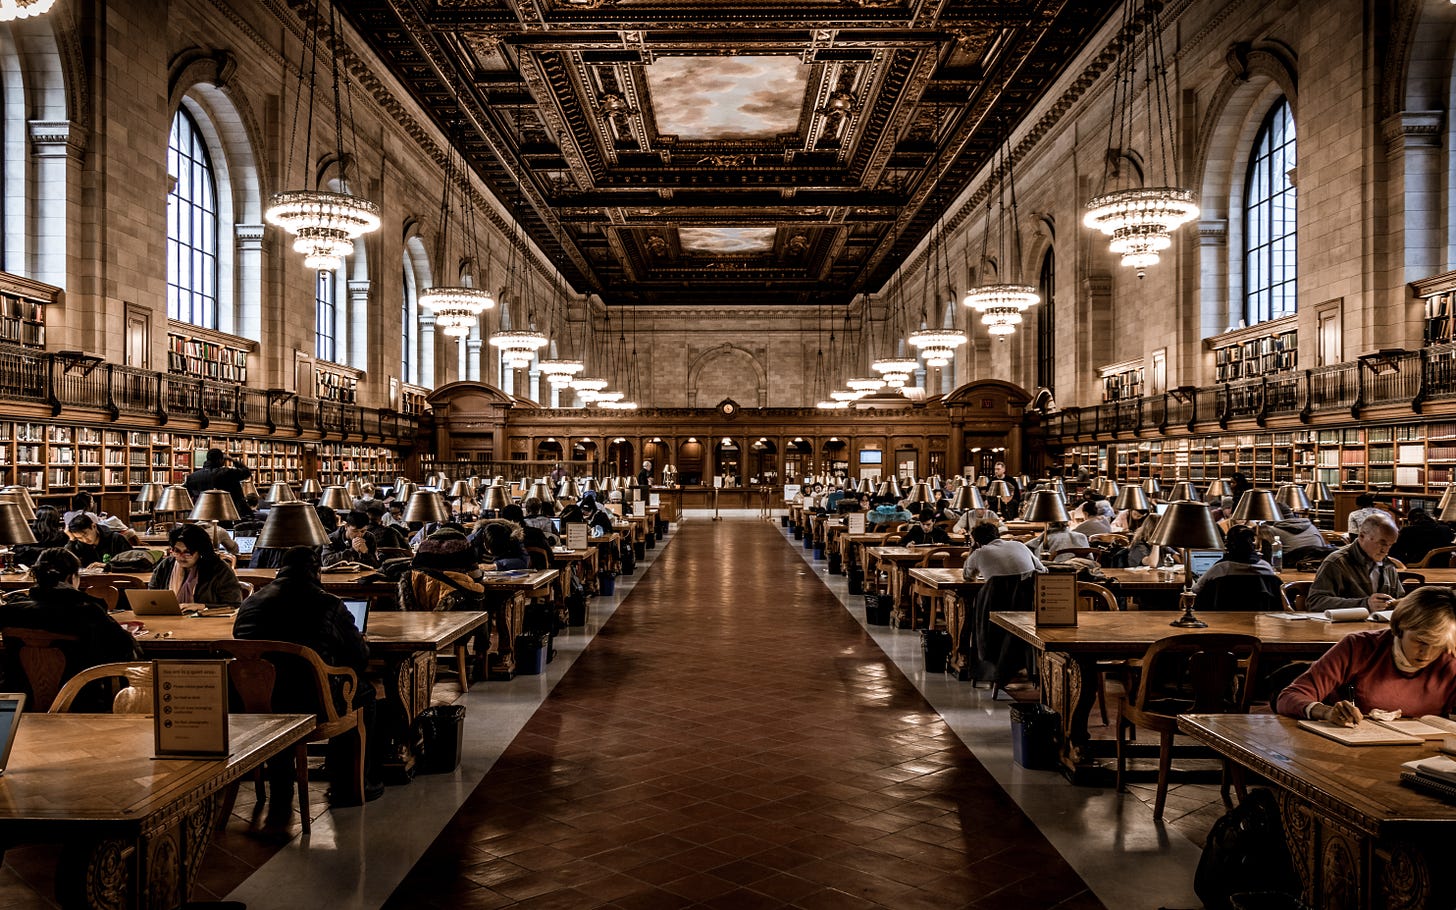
x: 427, y: 351
x: 1414, y: 222
x: 355, y: 347
x: 55, y: 226
x: 473, y: 347
x: 533, y: 382
x: 247, y: 314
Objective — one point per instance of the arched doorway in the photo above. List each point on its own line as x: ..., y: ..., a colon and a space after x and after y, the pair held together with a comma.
x: 765, y: 461
x: 549, y: 450
x: 584, y: 457
x: 690, y: 462
x: 620, y: 461
x: 798, y: 460
x: 727, y: 461
x: 835, y: 460
x: 659, y: 453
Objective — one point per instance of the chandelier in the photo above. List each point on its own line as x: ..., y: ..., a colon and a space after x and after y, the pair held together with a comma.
x: 457, y: 310
x: 846, y: 397
x: 10, y: 10
x: 324, y: 224
x: 560, y: 372
x: 1140, y: 219
x: 937, y: 346
x: 1002, y: 303
x: 609, y: 398
x: 519, y: 347
x: 587, y: 387
x: 895, y: 371
x: 866, y: 384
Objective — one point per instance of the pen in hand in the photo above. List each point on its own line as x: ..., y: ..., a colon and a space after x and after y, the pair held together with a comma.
x: 1345, y: 714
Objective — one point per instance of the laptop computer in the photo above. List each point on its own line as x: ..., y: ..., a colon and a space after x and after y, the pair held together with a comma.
x: 11, y: 706
x: 359, y: 609
x: 1199, y: 561
x: 153, y: 603
x: 245, y: 545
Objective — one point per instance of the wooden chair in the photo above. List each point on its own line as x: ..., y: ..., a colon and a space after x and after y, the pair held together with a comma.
x: 1296, y: 595
x: 121, y: 676
x: 1083, y: 552
x: 1436, y: 558
x: 101, y: 591
x: 119, y: 582
x: 1187, y: 674
x: 1110, y: 540
x: 393, y: 553
x: 1092, y: 597
x: 254, y: 673
x: 41, y: 656
x: 1411, y: 579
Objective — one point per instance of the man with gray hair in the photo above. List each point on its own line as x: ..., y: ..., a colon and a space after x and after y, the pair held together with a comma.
x: 1360, y: 574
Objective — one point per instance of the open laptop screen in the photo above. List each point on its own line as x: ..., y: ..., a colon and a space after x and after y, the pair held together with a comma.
x: 359, y: 609
x: 11, y: 704
x: 1199, y: 561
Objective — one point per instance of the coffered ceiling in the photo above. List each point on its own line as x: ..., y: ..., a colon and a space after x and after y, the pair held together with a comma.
x: 755, y: 151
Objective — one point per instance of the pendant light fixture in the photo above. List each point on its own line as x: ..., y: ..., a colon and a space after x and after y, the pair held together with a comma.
x: 1001, y: 303
x: 937, y: 346
x: 324, y: 224
x: 11, y: 10
x: 1138, y: 211
x: 559, y: 371
x: 457, y: 308
x: 518, y: 347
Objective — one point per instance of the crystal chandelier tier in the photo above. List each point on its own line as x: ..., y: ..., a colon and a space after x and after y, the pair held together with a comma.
x: 937, y: 346
x: 846, y: 397
x: 518, y: 348
x: 324, y: 225
x: 1139, y: 219
x: 895, y: 371
x: 587, y: 387
x: 866, y: 384
x: 609, y: 397
x: 457, y: 310
x: 832, y: 405
x: 10, y: 10
x: 560, y: 372
x: 1001, y: 305
x: 619, y: 405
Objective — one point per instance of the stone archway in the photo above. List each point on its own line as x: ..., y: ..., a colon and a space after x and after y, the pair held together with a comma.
x: 734, y: 370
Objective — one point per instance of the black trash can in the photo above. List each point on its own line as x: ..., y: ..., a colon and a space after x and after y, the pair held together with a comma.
x: 1034, y: 737
x: 935, y: 645
x: 798, y: 532
x: 530, y: 654
x: 576, y: 610
x: 784, y: 519
x: 442, y: 731
x: 835, y: 563
x: 856, y: 580
x: 877, y: 609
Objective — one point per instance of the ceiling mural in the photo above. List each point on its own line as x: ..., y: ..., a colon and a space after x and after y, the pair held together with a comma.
x: 727, y: 97
x: 674, y: 151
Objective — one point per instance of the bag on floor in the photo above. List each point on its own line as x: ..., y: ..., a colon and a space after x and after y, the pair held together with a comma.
x: 1245, y: 852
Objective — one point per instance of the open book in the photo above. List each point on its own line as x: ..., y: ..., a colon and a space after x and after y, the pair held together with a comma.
x: 1365, y: 733
x: 1354, y: 614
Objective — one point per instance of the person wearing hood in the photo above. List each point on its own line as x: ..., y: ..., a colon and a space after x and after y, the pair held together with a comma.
x: 1296, y: 532
x: 1421, y: 535
x: 599, y: 518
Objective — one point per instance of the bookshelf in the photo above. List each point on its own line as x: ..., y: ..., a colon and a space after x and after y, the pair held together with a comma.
x: 22, y: 310
x: 412, y: 400
x: 1250, y: 357
x: 331, y: 385
x: 1122, y: 381
x: 341, y: 462
x: 191, y: 356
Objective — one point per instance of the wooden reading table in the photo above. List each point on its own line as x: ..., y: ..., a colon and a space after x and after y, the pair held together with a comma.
x: 1358, y: 837
x: 133, y: 828
x: 897, y: 563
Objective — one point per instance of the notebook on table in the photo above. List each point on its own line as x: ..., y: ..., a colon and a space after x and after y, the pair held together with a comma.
x: 11, y: 705
x: 359, y: 609
x: 1365, y: 733
x: 153, y: 603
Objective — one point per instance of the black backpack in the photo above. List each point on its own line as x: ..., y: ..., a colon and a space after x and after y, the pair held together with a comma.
x: 1245, y: 852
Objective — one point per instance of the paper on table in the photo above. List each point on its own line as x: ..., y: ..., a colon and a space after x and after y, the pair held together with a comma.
x: 1380, y: 616
x: 1347, y: 614
x: 1362, y: 734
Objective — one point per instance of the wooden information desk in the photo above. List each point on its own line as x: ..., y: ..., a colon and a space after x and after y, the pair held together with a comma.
x: 133, y: 828
x: 1067, y: 657
x: 1358, y: 837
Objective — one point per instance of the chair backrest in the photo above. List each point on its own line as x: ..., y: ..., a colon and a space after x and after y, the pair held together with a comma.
x: 1436, y: 558
x: 1411, y: 579
x: 1091, y: 553
x: 1198, y: 673
x: 1296, y: 593
x: 1112, y: 540
x: 944, y: 558
x: 540, y: 558
x: 1092, y: 597
x: 280, y: 676
x: 247, y: 588
x: 101, y: 591
x: 1242, y: 593
x: 393, y: 553
x: 119, y: 582
x: 122, y: 675
x: 41, y: 657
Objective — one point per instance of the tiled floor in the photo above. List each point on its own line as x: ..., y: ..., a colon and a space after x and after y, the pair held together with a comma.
x: 732, y: 738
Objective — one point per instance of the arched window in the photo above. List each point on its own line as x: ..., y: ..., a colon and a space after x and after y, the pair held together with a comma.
x: 1046, y: 334
x: 326, y: 317
x: 1269, y: 220
x: 191, y: 227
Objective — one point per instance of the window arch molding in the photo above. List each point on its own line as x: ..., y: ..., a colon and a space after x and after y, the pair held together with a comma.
x: 418, y: 275
x: 1255, y: 81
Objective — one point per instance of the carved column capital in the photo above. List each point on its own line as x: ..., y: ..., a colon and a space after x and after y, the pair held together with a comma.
x: 1412, y: 129
x: 1212, y: 232
x: 57, y: 138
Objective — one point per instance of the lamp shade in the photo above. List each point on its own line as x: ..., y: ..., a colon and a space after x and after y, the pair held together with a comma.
x: 1448, y: 499
x: 1447, y: 512
x: 1319, y: 491
x: 1059, y: 487
x: 214, y: 505
x: 310, y: 487
x: 174, y: 498
x: 281, y: 492
x: 426, y: 506
x: 1152, y: 487
x: 967, y: 498
x: 496, y: 498
x: 982, y: 481
x: 866, y: 486
x: 1046, y: 505
x: 1132, y: 498
x: 248, y: 487
x: 568, y: 490
x: 354, y: 489
x: 146, y: 496
x: 1109, y: 488
x: 590, y: 485
x: 460, y: 489
x: 14, y: 529
x: 404, y: 490
x: 1218, y: 489
x: 1185, y: 490
x: 999, y: 489
x: 1257, y: 505
x: 23, y: 504
x: 336, y: 498
x: 541, y: 490
x: 1187, y: 525
x: 293, y: 523
x: 1293, y: 497
x: 921, y: 494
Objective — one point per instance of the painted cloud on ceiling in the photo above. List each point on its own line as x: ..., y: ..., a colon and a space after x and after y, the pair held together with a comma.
x: 714, y: 241
x: 727, y: 97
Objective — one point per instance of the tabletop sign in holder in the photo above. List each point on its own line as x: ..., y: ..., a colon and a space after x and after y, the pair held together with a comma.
x: 576, y: 536
x: 190, y: 708
x: 654, y: 500
x: 639, y: 509
x: 1056, y: 599
x: 854, y: 523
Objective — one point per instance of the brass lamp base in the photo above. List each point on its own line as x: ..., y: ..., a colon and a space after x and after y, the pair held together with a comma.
x: 1188, y: 620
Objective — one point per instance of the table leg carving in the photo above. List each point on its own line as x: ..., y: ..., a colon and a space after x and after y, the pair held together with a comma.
x: 1341, y: 869
x: 508, y: 616
x: 955, y: 623
x: 1069, y: 687
x: 97, y: 874
x: 1404, y: 878
x: 1299, y: 836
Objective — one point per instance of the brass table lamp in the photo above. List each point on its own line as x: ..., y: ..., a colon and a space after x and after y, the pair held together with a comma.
x: 1186, y: 526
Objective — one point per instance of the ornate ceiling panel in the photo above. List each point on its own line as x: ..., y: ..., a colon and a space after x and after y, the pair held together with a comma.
x: 666, y: 151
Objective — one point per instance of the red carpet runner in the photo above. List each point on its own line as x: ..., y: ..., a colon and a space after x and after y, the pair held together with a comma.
x: 733, y: 739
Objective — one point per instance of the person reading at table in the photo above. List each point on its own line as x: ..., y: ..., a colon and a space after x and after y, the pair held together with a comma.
x: 1421, y: 535
x: 995, y: 555
x: 352, y: 542
x: 49, y: 533
x: 1359, y: 574
x: 195, y: 572
x: 296, y: 608
x: 500, y: 543
x: 55, y: 604
x: 92, y: 543
x: 972, y: 517
x: 925, y: 531
x: 1411, y: 666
